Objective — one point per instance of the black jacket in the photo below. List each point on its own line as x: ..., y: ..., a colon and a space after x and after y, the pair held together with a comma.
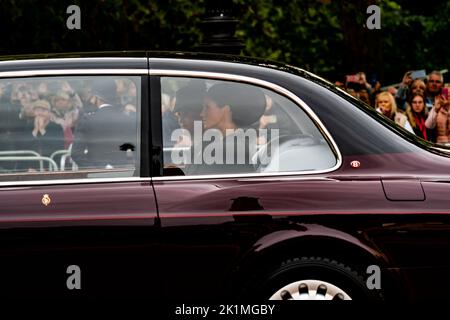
x: 103, y: 137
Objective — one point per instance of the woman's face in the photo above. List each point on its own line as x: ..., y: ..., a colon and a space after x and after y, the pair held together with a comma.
x: 418, y: 87
x: 417, y: 104
x: 385, y: 105
x: 212, y: 115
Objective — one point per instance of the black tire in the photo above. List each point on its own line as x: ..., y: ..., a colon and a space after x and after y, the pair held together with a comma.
x: 315, y: 268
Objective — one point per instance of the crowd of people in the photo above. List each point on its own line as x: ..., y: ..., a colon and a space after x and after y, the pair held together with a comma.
x: 96, y: 117
x: 420, y: 105
x: 47, y: 115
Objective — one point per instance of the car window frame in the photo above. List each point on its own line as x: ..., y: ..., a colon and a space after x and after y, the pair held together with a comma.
x: 155, y: 78
x: 143, y: 121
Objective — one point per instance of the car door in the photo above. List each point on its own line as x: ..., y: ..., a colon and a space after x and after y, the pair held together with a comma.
x: 214, y: 213
x: 78, y: 223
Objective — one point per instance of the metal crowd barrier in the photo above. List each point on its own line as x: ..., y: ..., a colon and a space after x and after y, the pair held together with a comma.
x: 28, y: 155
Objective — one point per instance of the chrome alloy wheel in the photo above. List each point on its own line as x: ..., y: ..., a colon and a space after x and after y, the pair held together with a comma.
x: 310, y: 290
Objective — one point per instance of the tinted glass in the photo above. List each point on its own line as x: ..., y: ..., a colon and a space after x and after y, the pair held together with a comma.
x: 223, y: 127
x: 69, y: 127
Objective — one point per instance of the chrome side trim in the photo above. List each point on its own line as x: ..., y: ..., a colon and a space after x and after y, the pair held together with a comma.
x: 291, y: 175
x: 268, y: 85
x: 65, y: 72
x: 69, y: 181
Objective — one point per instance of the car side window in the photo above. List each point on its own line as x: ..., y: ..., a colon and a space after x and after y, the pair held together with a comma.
x: 69, y: 127
x: 215, y: 127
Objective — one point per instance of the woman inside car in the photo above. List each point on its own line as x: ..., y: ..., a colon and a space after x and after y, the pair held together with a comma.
x: 229, y: 107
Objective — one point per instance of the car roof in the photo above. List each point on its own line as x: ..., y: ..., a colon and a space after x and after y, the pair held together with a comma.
x: 120, y: 59
x: 138, y: 54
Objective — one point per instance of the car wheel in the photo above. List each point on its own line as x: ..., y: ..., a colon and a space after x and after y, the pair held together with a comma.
x: 316, y: 278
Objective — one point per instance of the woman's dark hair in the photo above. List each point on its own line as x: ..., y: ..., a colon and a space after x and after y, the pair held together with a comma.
x: 247, y: 102
x: 190, y: 98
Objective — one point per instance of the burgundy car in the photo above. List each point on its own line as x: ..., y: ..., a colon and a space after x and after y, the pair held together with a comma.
x: 192, y: 177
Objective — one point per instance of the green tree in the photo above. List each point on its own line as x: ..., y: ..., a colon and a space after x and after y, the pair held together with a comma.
x: 327, y: 37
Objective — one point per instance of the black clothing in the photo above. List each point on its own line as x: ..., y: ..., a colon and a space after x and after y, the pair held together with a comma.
x: 45, y: 145
x: 103, y: 137
x: 419, y: 133
x: 170, y: 124
x: 231, y: 161
x: 11, y: 125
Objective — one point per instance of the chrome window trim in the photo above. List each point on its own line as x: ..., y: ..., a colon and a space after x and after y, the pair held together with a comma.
x: 30, y: 183
x: 178, y: 73
x: 64, y: 72
x: 268, y: 85
x: 74, y: 59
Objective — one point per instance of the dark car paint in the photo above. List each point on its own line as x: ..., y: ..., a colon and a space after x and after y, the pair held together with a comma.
x: 374, y: 199
x: 102, y: 228
x: 211, y: 236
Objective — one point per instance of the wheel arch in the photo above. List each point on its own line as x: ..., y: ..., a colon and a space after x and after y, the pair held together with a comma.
x: 274, y: 248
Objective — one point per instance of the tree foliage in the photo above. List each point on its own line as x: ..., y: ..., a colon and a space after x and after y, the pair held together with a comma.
x: 328, y: 37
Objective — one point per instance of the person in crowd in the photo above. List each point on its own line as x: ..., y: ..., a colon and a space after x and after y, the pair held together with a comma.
x: 417, y: 113
x: 376, y: 89
x: 22, y: 117
x: 127, y: 94
x: 438, y: 119
x: 66, y: 110
x: 24, y: 96
x: 9, y: 118
x: 46, y: 88
x: 121, y: 88
x: 105, y: 138
x: 339, y: 84
x: 385, y: 104
x: 85, y: 93
x: 363, y: 95
x: 417, y: 87
x: 363, y: 82
x: 129, y: 101
x: 435, y: 81
x: 353, y: 88
x: 11, y: 125
x: 43, y: 90
x: 358, y: 87
x: 392, y: 90
x: 46, y: 136
x: 41, y: 136
x: 402, y: 91
x: 352, y: 92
